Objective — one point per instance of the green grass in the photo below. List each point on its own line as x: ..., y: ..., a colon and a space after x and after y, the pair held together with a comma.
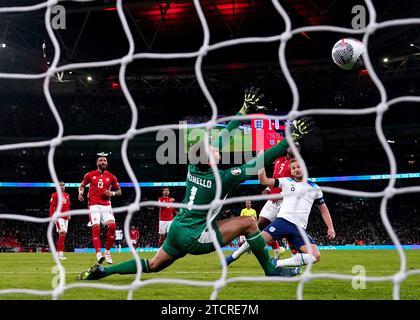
x: 34, y: 271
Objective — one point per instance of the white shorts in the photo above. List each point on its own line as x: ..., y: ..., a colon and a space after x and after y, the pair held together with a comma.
x: 270, y: 210
x: 100, y: 214
x: 133, y: 241
x: 242, y: 238
x: 61, y: 225
x: 164, y: 226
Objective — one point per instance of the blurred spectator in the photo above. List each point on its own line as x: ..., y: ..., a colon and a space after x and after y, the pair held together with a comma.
x: 360, y: 242
x: 356, y: 221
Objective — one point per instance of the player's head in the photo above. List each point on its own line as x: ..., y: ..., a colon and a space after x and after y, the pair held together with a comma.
x: 133, y: 227
x: 102, y: 162
x: 248, y: 204
x: 296, y: 170
x: 198, y: 156
x: 165, y: 191
x: 290, y: 154
x: 216, y: 155
x: 62, y: 185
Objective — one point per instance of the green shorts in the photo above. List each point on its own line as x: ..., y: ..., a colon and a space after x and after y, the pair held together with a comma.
x: 182, y: 240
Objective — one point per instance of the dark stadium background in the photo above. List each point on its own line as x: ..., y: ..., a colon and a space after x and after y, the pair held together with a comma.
x: 167, y: 92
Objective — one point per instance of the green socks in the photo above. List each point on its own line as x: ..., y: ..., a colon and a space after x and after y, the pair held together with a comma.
x: 128, y: 267
x: 259, y: 249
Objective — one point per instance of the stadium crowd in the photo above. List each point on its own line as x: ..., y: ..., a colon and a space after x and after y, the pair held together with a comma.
x: 356, y: 221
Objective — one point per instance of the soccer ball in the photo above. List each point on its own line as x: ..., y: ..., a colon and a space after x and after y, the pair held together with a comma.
x: 347, y: 53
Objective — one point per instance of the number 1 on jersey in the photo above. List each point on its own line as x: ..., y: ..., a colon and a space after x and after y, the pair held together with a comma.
x: 192, y: 196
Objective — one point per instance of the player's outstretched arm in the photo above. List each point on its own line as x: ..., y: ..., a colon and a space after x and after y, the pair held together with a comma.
x: 326, y: 216
x: 264, y: 180
x: 251, y: 104
x: 299, y: 129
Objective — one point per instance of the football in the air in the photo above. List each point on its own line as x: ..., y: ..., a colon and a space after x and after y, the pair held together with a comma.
x: 347, y: 53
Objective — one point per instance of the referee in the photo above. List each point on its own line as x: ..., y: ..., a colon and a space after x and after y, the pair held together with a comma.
x: 248, y: 212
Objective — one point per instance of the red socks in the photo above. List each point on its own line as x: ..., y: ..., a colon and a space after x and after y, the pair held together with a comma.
x: 96, y: 232
x: 110, y: 236
x: 60, y: 242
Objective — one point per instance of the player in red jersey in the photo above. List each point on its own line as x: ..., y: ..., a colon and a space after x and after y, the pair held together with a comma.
x: 99, y: 203
x: 269, y: 212
x: 134, y: 236
x: 61, y: 223
x: 166, y: 215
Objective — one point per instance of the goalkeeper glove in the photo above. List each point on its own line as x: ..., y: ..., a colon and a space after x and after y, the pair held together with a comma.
x: 301, y: 127
x: 251, y: 99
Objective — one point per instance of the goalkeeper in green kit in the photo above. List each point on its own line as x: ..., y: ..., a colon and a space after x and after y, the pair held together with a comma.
x: 189, y: 233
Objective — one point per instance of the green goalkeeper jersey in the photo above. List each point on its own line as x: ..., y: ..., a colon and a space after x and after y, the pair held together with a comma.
x: 201, y: 185
x: 188, y: 232
x: 201, y: 190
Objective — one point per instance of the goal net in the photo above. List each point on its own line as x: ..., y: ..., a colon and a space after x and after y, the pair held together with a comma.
x: 282, y: 39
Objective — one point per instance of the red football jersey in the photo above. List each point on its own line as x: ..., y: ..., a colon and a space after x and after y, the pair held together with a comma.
x: 99, y: 182
x: 54, y: 202
x: 166, y: 213
x: 281, y: 170
x: 134, y: 235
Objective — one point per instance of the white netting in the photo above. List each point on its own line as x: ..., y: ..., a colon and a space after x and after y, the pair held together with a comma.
x: 283, y: 38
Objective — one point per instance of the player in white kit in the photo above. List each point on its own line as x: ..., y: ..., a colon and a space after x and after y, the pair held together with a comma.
x: 269, y: 212
x: 294, y: 212
x: 119, y: 235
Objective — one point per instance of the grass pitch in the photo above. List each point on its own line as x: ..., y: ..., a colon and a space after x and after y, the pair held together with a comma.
x: 36, y: 271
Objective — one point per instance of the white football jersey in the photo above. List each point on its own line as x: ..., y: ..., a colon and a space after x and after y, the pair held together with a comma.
x: 118, y: 235
x: 294, y: 209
